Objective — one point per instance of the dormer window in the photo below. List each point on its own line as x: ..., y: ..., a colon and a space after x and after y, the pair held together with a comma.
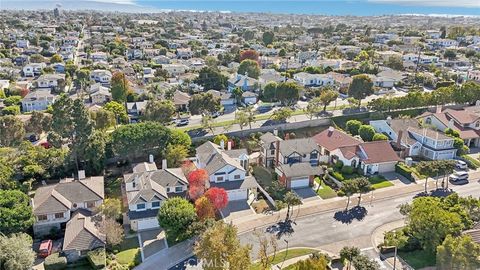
x: 428, y: 120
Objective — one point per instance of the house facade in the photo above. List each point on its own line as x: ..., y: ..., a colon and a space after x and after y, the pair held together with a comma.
x: 38, y: 100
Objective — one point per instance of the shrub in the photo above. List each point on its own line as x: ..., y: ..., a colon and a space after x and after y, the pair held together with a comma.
x: 471, y: 162
x: 347, y: 170
x: 405, y: 171
x: 97, y: 258
x: 340, y: 193
x: 55, y: 262
x: 338, y: 176
x: 339, y: 164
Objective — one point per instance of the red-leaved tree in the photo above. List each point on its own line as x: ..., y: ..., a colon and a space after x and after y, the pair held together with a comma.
x: 249, y: 54
x: 204, y: 208
x: 218, y: 197
x: 197, y: 181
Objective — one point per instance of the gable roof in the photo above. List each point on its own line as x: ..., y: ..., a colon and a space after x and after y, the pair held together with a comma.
x: 214, y: 158
x: 334, y: 139
x: 81, y: 233
x: 378, y: 152
x: 301, y: 146
x: 61, y: 197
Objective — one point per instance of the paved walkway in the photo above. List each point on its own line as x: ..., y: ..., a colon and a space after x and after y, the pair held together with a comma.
x: 168, y: 257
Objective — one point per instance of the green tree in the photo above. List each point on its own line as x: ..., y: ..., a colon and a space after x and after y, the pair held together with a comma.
x: 457, y: 253
x: 219, y: 138
x: 56, y: 58
x: 12, y: 131
x: 291, y: 199
x: 103, y: 119
x: 111, y: 208
x: 363, y: 186
x: 11, y: 110
x: 175, y: 216
x: 360, y: 88
x: 94, y: 152
x: 364, y: 263
x: 312, y: 263
x: 12, y: 100
x: 349, y: 187
x: 380, y: 137
x: 211, y: 78
x: 366, y: 132
x: 353, y: 126
x: 326, y: 97
x: 159, y: 111
x: 281, y: 115
x: 39, y: 122
x: 220, y: 247
x: 15, y: 211
x: 204, y: 103
x: 288, y: 93
x: 179, y: 137
x: 82, y: 77
x: 208, y: 123
x: 175, y: 154
x: 348, y: 254
x: 395, y: 62
x: 270, y: 92
x: 118, y: 110
x: 250, y: 68
x: 16, y: 252
x: 120, y: 87
x: 241, y: 118
x: 237, y: 93
x: 268, y: 37
x: 313, y: 107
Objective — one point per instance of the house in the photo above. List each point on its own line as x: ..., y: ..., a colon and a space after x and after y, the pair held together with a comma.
x: 81, y: 235
x: 55, y: 82
x: 424, y: 59
x: 99, y: 57
x: 474, y: 75
x: 181, y: 100
x: 249, y: 97
x: 243, y: 82
x: 53, y: 205
x: 466, y: 122
x: 227, y: 169
x: 101, y: 76
x: 38, y: 100
x: 226, y: 99
x: 147, y: 188
x: 370, y: 157
x: 408, y: 136
x: 100, y: 94
x: 441, y: 43
x: 175, y: 69
x: 22, y: 43
x: 313, y: 80
x: 161, y: 60
x: 134, y: 54
x: 33, y: 69
x: 184, y: 53
x: 136, y: 109
x: 295, y: 160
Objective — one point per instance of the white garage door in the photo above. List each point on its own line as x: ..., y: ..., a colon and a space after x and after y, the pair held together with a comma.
x: 300, y: 182
x: 145, y: 224
x: 237, y: 194
x: 386, y: 167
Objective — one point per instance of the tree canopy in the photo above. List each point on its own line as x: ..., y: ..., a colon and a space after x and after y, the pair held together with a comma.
x: 15, y: 211
x: 175, y: 216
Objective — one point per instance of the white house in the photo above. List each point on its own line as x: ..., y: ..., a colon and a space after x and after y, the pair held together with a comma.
x: 37, y: 100
x: 101, y: 76
x: 33, y: 69
x: 53, y: 204
x: 175, y: 69
x: 147, y: 188
x: 51, y: 81
x: 307, y: 79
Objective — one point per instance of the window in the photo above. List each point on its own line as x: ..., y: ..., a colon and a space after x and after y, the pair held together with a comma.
x: 477, y: 124
x: 42, y: 217
x: 428, y: 120
x: 314, y: 155
x: 168, y: 189
x: 58, y: 215
x: 178, y: 189
x: 272, y: 152
x: 155, y: 204
x: 140, y: 206
x: 90, y: 204
x: 220, y: 179
x: 236, y: 177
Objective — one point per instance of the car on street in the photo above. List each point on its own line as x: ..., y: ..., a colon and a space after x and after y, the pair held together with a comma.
x: 182, y: 122
x: 461, y: 165
x: 45, y: 248
x: 458, y: 176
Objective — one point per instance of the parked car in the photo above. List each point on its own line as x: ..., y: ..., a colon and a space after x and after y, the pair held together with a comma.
x: 182, y: 122
x: 461, y: 165
x: 45, y: 248
x: 458, y: 176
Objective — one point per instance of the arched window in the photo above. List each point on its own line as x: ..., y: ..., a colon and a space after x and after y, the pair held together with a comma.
x: 428, y: 121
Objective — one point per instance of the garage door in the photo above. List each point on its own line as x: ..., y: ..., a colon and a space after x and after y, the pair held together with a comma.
x: 145, y: 224
x: 386, y: 167
x: 300, y: 182
x: 238, y: 194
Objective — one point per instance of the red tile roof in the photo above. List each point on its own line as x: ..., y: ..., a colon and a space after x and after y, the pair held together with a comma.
x: 378, y: 152
x: 335, y: 139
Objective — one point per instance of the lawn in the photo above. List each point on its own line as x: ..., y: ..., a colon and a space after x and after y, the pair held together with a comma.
x: 379, y: 182
x: 325, y: 192
x: 418, y: 259
x: 128, y: 251
x: 263, y: 176
x: 286, y: 255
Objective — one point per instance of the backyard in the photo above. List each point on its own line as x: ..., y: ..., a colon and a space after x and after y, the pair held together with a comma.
x: 128, y: 252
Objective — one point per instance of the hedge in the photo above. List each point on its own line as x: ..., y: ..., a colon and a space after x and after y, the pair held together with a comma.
x: 55, y: 262
x: 405, y: 171
x: 472, y: 163
x: 97, y: 258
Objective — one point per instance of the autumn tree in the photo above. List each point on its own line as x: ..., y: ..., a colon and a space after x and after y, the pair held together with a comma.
x: 249, y: 54
x: 204, y: 208
x: 197, y: 183
x: 218, y: 197
x: 219, y: 248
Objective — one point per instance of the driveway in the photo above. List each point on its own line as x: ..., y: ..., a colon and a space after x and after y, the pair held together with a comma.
x: 307, y: 194
x: 152, y: 241
x: 237, y: 209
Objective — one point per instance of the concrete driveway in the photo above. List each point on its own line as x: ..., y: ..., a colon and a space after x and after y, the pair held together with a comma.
x: 237, y: 209
x: 307, y: 194
x: 152, y: 241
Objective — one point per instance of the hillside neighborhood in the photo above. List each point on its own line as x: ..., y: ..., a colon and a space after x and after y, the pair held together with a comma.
x: 215, y: 140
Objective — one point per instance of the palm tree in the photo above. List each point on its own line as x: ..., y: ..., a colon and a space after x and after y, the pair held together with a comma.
x: 349, y: 187
x: 349, y: 253
x: 363, y: 186
x: 291, y: 199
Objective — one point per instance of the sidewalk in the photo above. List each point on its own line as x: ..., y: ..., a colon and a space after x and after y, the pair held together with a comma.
x: 377, y: 239
x: 251, y: 222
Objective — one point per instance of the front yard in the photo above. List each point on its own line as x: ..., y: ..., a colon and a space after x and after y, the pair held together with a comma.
x: 379, y: 181
x: 418, y: 259
x: 325, y: 191
x: 286, y: 255
x: 128, y: 252
x: 264, y: 176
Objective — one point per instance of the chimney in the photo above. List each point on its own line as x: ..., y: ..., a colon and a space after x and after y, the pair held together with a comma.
x: 277, y: 152
x: 229, y: 145
x: 399, y: 138
x: 287, y: 136
x: 164, y: 164
x: 275, y: 132
x: 150, y: 158
x: 438, y: 109
x: 451, y: 123
x: 389, y: 120
x: 222, y: 144
x: 81, y: 174
x: 330, y: 130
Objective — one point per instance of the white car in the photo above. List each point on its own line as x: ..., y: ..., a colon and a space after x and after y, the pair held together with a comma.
x: 461, y: 165
x: 458, y: 176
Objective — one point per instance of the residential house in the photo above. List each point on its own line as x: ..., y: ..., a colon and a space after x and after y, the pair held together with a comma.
x: 38, y: 100
x: 135, y: 109
x: 33, y: 69
x: 184, y: 53
x: 296, y: 161
x: 474, y: 75
x: 175, y: 69
x: 101, y: 76
x: 55, y: 82
x: 147, y: 187
x: 370, y: 157
x: 99, y: 94
x: 243, y: 82
x: 313, y: 80
x: 181, y: 100
x: 409, y: 137
x: 226, y: 99
x: 82, y: 234
x: 53, y: 205
x: 227, y: 169
x: 99, y: 57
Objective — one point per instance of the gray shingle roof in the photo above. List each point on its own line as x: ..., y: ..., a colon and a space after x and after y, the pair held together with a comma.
x: 81, y: 233
x: 300, y: 169
x: 301, y: 146
x: 214, y: 158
